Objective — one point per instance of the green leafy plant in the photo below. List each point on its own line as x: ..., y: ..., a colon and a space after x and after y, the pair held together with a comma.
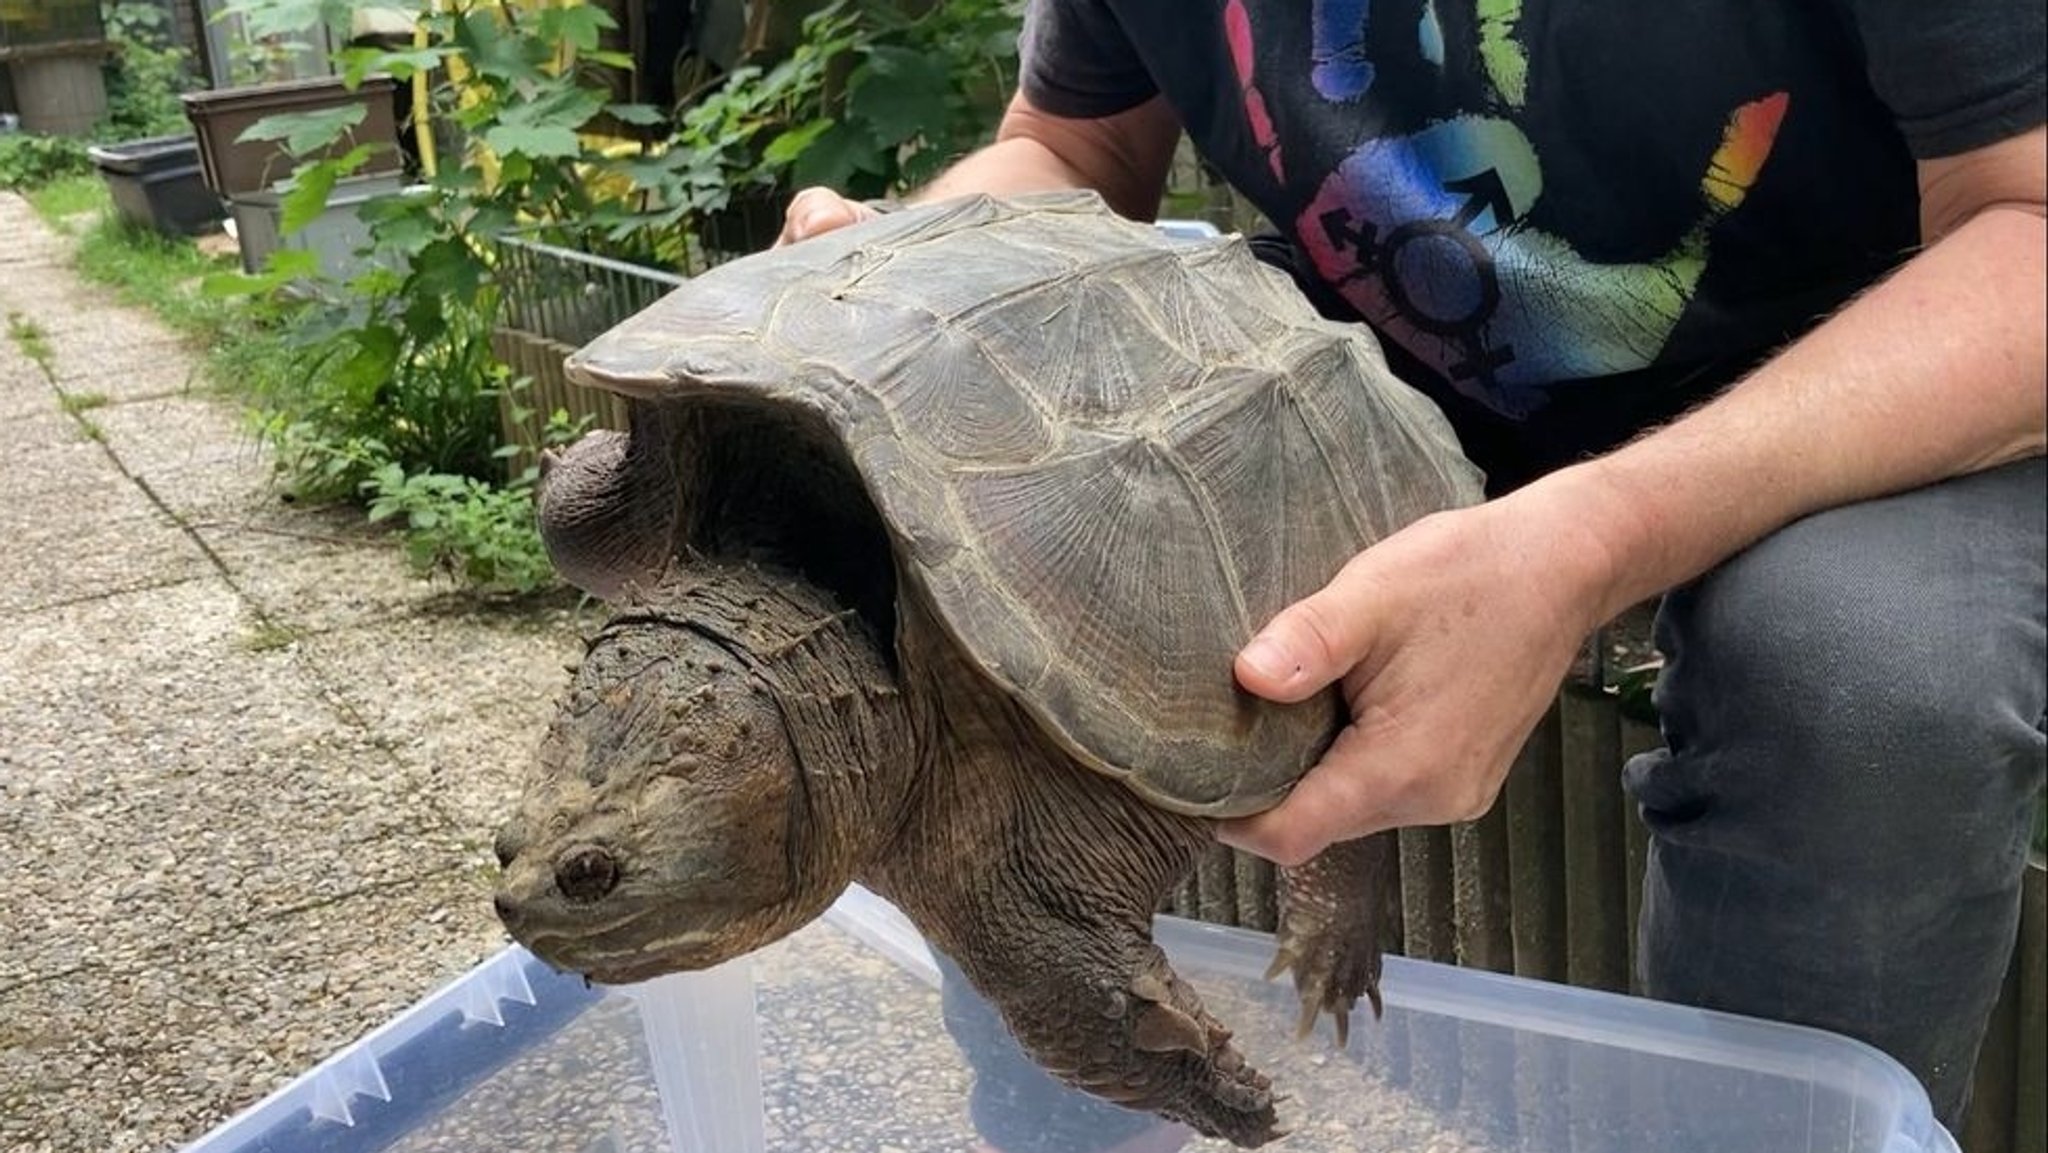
x: 399, y: 394
x: 485, y: 535
x: 874, y: 99
x: 164, y: 273
x: 923, y: 85
x: 29, y: 336
x: 80, y: 403
x: 70, y: 196
x: 148, y: 72
x: 29, y: 161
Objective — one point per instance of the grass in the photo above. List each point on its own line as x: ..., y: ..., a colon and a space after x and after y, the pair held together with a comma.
x: 30, y: 338
x: 162, y: 274
x: 268, y: 636
x: 79, y: 403
x: 60, y: 201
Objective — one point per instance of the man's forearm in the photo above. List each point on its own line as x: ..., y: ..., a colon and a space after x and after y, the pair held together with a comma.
x: 1935, y: 372
x: 1019, y: 164
x: 1124, y: 156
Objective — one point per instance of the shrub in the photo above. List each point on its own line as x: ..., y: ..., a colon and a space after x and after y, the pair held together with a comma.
x: 148, y: 72
x: 28, y: 161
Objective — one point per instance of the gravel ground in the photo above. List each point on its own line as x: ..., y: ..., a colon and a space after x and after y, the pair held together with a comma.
x: 249, y: 766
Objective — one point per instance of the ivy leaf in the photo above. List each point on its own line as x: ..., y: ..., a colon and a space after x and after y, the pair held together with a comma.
x: 397, y: 230
x: 288, y: 264
x: 490, y: 51
x: 787, y: 146
x: 232, y: 284
x: 444, y: 268
x: 537, y: 140
x: 901, y: 94
x: 634, y: 113
x: 838, y: 152
x: 304, y: 132
x: 361, y: 62
x: 371, y: 364
x: 580, y: 25
x: 308, y: 196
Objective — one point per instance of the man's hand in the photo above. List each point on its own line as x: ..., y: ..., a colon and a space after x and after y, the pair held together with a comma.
x: 815, y: 211
x: 1450, y: 638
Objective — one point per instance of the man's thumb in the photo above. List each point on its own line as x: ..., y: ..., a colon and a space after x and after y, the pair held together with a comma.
x: 1303, y: 650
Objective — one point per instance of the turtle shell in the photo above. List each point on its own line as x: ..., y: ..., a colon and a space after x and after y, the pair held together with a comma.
x: 1105, y: 455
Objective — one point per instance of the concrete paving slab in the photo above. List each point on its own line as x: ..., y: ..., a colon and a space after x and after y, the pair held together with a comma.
x: 144, y: 1059
x: 247, y: 802
x: 463, y: 698
x: 30, y: 255
x: 51, y: 451
x: 146, y: 366
x: 169, y: 433
x: 232, y: 487
x: 23, y: 387
x: 194, y: 454
x: 89, y: 540
x: 180, y: 770
x: 316, y: 570
x: 67, y: 304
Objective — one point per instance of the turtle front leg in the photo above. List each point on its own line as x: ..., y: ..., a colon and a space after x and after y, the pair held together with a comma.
x: 1329, y: 931
x: 1113, y: 1019
x: 1047, y: 908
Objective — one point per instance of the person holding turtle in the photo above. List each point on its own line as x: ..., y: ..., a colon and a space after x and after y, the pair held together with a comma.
x: 1737, y: 305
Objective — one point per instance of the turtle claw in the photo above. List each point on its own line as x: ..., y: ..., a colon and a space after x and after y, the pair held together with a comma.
x: 1183, y: 1059
x: 1329, y: 933
x: 1283, y: 960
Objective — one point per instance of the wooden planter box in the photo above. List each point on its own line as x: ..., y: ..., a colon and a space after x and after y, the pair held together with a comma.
x: 155, y: 184
x: 58, y: 88
x: 234, y: 167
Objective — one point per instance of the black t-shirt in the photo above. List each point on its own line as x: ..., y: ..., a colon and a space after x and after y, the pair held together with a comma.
x: 1566, y: 219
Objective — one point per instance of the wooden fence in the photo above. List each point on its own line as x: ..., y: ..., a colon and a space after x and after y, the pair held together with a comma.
x: 1547, y: 885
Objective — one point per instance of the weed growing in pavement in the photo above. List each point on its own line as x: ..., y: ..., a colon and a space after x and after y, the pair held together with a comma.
x: 28, y: 336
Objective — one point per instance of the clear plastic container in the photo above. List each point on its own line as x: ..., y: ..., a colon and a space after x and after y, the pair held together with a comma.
x: 838, y: 1039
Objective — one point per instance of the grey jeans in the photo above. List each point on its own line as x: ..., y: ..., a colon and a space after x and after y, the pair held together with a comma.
x: 1853, y: 712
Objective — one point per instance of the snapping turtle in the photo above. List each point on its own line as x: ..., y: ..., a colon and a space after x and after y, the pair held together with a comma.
x: 930, y: 542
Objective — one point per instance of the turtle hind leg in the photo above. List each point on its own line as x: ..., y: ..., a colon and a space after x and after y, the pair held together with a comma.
x: 1331, y: 907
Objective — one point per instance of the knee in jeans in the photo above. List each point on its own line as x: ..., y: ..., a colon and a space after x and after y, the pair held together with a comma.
x: 1798, y: 653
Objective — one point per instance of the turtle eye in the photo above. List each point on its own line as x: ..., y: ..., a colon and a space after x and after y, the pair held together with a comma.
x: 586, y: 873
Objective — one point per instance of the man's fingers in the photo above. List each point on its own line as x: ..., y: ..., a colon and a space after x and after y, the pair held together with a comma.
x: 816, y: 211
x: 1311, y: 643
x: 1335, y: 802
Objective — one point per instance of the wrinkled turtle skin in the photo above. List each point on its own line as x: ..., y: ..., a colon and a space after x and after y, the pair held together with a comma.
x: 930, y: 545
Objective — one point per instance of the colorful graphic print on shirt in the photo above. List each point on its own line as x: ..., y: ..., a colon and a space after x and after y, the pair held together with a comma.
x: 1426, y: 233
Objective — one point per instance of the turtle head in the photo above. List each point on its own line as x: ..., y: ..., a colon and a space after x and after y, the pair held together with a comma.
x: 666, y: 825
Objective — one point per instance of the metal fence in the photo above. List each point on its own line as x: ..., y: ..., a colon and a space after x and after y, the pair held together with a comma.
x: 555, y: 300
